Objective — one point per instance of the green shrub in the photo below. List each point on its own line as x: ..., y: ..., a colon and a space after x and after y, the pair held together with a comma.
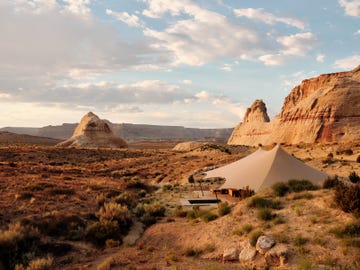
x: 155, y: 209
x: 191, y: 214
x: 207, y: 217
x: 37, y: 264
x: 99, y: 232
x: 350, y: 230
x: 347, y: 197
x: 224, y: 208
x: 300, y: 185
x: 265, y: 214
x: 331, y: 182
x: 254, y: 237
x: 115, y: 212
x: 300, y: 240
x: 15, y: 242
x: 126, y: 199
x: 245, y: 229
x: 280, y: 189
x: 258, y: 202
x: 192, y: 252
x: 354, y: 177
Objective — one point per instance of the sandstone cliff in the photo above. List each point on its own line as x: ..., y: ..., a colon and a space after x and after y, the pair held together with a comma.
x: 93, y: 132
x: 319, y: 110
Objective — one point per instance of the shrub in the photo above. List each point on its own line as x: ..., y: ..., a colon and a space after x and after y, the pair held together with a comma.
x: 15, y: 242
x: 61, y: 191
x: 354, y: 177
x: 180, y: 212
x: 155, y: 209
x: 254, y: 237
x: 115, y: 212
x: 192, y: 252
x: 207, y: 217
x: 350, y: 230
x: 224, y: 208
x: 37, y: 264
x: 280, y: 189
x: 300, y: 185
x: 99, y: 232
x: 265, y: 214
x: 258, y: 202
x: 358, y: 159
x: 127, y: 199
x: 347, y: 197
x: 300, y: 240
x: 331, y: 182
x: 245, y: 229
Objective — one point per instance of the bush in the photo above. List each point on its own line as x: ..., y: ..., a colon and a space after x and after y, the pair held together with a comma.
x: 15, y: 242
x: 127, y: 199
x: 350, y: 230
x: 115, y: 212
x: 358, y: 159
x: 331, y: 182
x: 224, y: 208
x: 300, y: 240
x: 280, y: 189
x: 354, y: 177
x: 300, y: 185
x: 347, y: 197
x: 258, y: 202
x: 265, y: 214
x: 37, y: 264
x: 192, y: 252
x: 207, y: 217
x: 155, y: 209
x: 254, y: 237
x: 100, y: 231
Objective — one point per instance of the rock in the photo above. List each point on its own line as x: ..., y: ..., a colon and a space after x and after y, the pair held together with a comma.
x: 187, y: 146
x: 93, y: 132
x: 264, y: 243
x: 247, y: 254
x: 319, y: 110
x: 231, y: 254
x: 278, y: 255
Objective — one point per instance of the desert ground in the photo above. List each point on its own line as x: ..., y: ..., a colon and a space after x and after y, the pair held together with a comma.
x: 50, y: 196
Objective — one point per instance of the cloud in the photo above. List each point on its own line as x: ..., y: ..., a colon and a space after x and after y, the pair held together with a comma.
x: 227, y: 68
x: 298, y: 44
x: 272, y: 59
x: 348, y: 62
x: 130, y: 20
x: 352, y: 8
x: 261, y: 15
x: 187, y: 82
x: 203, y: 36
x: 320, y: 58
x: 357, y: 32
x: 78, y: 7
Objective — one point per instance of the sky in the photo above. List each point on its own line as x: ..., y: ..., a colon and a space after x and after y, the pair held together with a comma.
x: 192, y: 63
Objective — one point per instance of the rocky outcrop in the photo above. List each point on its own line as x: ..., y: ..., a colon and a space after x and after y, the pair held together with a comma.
x: 319, y: 110
x: 93, y: 132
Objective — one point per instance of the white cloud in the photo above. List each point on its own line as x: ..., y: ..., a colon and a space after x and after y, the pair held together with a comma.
x: 187, y: 82
x: 35, y: 6
x: 348, y: 62
x: 130, y: 20
x: 352, y: 8
x: 78, y: 7
x: 272, y: 59
x: 227, y: 68
x: 203, y: 37
x: 261, y: 15
x: 320, y: 58
x: 357, y: 32
x: 298, y: 44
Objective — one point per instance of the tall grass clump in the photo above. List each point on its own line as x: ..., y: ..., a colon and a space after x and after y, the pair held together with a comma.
x: 259, y: 202
x: 37, y: 264
x: 347, y: 198
x: 115, y: 212
x: 224, y: 208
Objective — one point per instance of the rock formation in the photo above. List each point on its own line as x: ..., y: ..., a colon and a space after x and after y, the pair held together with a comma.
x: 93, y: 132
x: 324, y: 109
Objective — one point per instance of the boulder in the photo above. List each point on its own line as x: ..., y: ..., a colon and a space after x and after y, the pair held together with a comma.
x: 247, y: 254
x: 231, y: 254
x: 264, y: 243
x: 278, y: 255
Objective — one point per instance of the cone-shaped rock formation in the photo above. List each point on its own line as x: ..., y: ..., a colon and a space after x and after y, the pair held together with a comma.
x: 93, y: 132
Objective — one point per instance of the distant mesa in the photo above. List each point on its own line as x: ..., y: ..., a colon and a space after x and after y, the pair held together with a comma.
x: 325, y: 109
x: 93, y: 132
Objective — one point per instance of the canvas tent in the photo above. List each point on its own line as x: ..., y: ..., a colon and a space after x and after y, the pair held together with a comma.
x: 263, y: 169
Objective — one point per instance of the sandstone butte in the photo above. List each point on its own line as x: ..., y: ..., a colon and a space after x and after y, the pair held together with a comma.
x: 324, y: 109
x: 93, y: 132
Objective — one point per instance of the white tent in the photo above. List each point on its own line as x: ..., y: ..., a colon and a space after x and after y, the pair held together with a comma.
x: 265, y: 168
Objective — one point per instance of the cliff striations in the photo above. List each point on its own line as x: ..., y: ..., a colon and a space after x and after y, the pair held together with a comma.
x: 324, y: 109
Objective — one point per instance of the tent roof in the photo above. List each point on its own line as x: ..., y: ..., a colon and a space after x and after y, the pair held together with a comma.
x: 265, y: 168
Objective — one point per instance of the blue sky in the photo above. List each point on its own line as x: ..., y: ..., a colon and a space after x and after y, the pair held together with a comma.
x: 195, y: 63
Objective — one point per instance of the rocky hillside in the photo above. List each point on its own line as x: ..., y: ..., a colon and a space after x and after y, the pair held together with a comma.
x: 7, y: 138
x: 324, y: 109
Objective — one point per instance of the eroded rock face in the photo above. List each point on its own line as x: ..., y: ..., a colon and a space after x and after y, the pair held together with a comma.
x: 319, y: 110
x: 93, y: 132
